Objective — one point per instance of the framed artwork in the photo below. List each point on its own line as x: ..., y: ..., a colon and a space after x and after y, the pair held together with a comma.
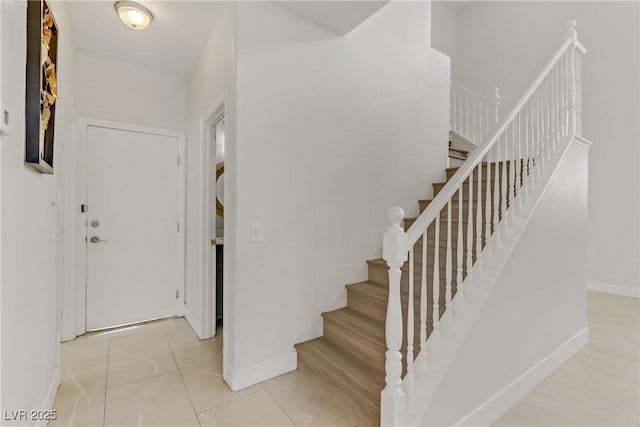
x: 41, y: 86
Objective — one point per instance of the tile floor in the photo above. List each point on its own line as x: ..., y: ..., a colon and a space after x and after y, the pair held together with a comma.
x: 599, y: 386
x: 160, y: 374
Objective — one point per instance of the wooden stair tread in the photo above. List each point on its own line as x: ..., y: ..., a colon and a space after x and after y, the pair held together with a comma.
x: 380, y: 292
x: 370, y: 289
x: 343, y: 370
x: 417, y: 266
x: 358, y: 323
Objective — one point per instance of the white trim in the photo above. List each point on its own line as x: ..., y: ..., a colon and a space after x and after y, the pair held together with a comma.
x: 614, y: 289
x: 50, y: 397
x: 78, y: 248
x: 194, y: 322
x: 216, y: 112
x: 488, y: 412
x: 244, y: 377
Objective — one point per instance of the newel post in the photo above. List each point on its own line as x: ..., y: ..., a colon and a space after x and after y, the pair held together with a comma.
x: 394, y: 251
x: 572, y: 91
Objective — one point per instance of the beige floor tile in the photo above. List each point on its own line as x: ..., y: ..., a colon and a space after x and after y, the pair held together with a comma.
x: 201, y: 370
x: 75, y: 405
x: 614, y: 391
x: 85, y: 347
x: 333, y: 415
x: 529, y: 412
x: 305, y: 402
x: 566, y: 381
x: 257, y: 409
x: 98, y: 422
x: 598, y: 361
x: 584, y: 410
x: 157, y: 401
x: 181, y: 336
x: 80, y: 397
x: 136, y: 356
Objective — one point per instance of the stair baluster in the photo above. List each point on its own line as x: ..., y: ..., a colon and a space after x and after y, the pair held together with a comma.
x: 423, y: 296
x: 408, y: 382
x: 479, y: 214
x: 487, y: 202
x: 470, y: 226
x: 448, y: 267
x: 459, y: 248
x: 436, y: 278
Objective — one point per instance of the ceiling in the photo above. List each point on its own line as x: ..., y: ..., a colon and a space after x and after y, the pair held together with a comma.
x: 170, y: 44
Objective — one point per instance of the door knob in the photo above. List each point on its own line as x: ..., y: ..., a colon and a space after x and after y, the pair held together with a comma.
x: 96, y: 239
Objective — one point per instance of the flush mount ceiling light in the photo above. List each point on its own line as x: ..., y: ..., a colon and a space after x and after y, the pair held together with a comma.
x: 133, y: 15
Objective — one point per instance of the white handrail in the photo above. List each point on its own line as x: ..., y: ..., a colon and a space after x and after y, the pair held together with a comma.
x: 440, y: 200
x: 491, y: 182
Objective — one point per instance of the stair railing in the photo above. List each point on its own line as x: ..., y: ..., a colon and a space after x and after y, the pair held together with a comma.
x: 473, y: 115
x: 515, y: 154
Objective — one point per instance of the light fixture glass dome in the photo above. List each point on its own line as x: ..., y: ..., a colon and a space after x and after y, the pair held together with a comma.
x: 133, y: 15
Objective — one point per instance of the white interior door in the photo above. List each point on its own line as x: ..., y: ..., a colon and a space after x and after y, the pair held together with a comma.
x: 132, y: 227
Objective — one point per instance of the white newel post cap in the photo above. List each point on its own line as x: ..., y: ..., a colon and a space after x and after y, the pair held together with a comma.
x: 395, y: 240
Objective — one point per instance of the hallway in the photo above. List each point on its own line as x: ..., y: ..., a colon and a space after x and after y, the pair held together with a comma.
x: 160, y: 373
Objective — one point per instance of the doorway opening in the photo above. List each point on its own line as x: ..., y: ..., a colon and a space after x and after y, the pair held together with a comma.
x: 215, y: 146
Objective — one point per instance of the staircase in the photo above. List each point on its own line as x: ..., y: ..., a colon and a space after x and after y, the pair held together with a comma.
x: 349, y: 358
x: 373, y: 354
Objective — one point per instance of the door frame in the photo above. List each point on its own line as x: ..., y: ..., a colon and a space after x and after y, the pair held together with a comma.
x: 217, y: 112
x: 78, y: 304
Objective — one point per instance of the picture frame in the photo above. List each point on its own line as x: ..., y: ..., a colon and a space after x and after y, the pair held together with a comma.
x: 41, y: 93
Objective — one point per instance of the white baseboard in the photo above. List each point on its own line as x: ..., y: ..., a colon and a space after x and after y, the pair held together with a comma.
x: 609, y: 288
x: 244, y: 377
x: 194, y: 322
x: 501, y: 402
x: 50, y: 397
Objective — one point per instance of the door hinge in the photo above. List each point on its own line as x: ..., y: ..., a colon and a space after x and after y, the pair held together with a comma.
x: 178, y: 160
x: 178, y: 227
x: 177, y: 294
x: 83, y: 208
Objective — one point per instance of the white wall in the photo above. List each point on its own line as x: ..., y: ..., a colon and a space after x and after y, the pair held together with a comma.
x: 536, y: 310
x: 210, y: 84
x: 507, y: 43
x: 331, y: 132
x: 119, y: 92
x: 444, y: 26
x: 31, y: 238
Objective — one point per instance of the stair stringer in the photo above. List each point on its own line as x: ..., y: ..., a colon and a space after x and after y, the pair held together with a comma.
x: 443, y: 351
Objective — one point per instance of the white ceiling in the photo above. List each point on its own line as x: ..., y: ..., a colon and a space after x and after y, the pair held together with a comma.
x: 170, y: 44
